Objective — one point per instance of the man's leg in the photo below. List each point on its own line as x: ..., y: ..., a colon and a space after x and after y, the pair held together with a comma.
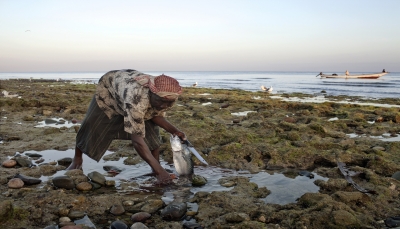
x: 77, y: 161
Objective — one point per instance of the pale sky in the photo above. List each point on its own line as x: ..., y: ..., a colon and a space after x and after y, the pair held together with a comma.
x: 206, y: 35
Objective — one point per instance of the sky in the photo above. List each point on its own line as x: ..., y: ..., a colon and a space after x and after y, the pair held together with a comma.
x: 206, y: 35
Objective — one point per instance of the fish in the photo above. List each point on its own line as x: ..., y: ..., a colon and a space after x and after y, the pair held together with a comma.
x: 182, y: 157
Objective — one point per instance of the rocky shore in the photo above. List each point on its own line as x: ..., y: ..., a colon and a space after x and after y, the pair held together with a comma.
x: 349, y: 144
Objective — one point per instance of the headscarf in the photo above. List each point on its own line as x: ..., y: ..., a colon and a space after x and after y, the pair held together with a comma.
x: 163, y: 86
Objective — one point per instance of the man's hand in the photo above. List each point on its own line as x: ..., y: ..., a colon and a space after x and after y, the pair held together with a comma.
x: 181, y: 135
x: 165, y: 178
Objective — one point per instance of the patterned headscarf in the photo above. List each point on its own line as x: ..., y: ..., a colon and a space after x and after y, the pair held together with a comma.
x: 163, y: 86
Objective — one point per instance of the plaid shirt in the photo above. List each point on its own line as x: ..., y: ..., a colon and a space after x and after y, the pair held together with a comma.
x: 119, y: 94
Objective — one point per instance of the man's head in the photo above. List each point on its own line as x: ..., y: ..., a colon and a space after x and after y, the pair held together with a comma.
x: 164, y: 92
x: 166, y: 87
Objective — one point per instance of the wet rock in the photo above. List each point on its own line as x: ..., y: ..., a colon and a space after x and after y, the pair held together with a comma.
x: 15, y: 183
x: 33, y: 155
x: 344, y: 218
x: 351, y: 197
x: 68, y: 225
x: 84, y: 186
x: 118, y: 225
x: 28, y: 180
x: 152, y: 206
x: 174, y: 211
x: 139, y: 225
x: 112, y: 169
x: 74, y: 172
x: 24, y: 162
x: 224, y: 105
x: 79, y: 179
x: 97, y: 177
x: 393, y: 221
x: 66, y: 161
x: 199, y: 180
x: 132, y: 160
x: 306, y: 174
x: 94, y: 185
x: 235, y: 217
x: 140, y: 217
x: 50, y: 121
x: 110, y: 183
x: 117, y: 209
x: 128, y: 203
x: 63, y: 182
x: 9, y: 163
x: 64, y: 219
x: 74, y: 214
x: 396, y: 175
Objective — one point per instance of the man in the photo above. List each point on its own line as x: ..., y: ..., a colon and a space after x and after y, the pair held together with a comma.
x: 128, y: 105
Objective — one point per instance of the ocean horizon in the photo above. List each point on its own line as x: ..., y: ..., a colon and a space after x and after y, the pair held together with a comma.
x: 282, y: 81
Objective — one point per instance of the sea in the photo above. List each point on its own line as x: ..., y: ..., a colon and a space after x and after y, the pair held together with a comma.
x: 387, y: 86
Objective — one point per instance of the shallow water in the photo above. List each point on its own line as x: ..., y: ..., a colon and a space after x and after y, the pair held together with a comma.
x: 283, y: 189
x: 386, y: 137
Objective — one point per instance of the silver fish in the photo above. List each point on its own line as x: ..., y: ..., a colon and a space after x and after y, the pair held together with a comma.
x: 181, y: 156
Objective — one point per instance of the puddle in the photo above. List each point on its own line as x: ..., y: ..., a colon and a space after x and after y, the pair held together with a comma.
x: 283, y: 189
x: 56, y: 122
x: 243, y: 113
x: 384, y: 137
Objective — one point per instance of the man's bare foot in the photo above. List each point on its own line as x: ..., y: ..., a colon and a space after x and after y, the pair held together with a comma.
x: 75, y: 165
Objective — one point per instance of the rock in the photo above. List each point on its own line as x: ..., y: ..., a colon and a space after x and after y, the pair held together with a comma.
x: 50, y: 121
x: 84, y: 186
x: 132, y: 160
x: 110, y: 183
x: 33, y: 155
x: 174, y: 211
x: 74, y: 214
x: 235, y: 217
x: 47, y: 170
x: 97, y: 177
x: 51, y: 227
x: 64, y: 219
x: 139, y: 225
x: 15, y: 183
x: 24, y: 162
x: 74, y: 172
x: 128, y: 203
x: 344, y: 218
x: 306, y: 174
x: 28, y: 180
x: 9, y: 163
x: 112, y: 169
x: 152, y: 206
x: 66, y: 161
x: 191, y: 225
x: 393, y: 221
x: 378, y: 148
x: 118, y: 225
x: 140, y: 216
x: 71, y: 226
x: 199, y: 180
x: 63, y: 182
x: 396, y: 175
x: 117, y: 209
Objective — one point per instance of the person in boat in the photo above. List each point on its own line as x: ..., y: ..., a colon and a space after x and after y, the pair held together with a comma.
x: 347, y: 73
x: 129, y: 105
x: 383, y: 70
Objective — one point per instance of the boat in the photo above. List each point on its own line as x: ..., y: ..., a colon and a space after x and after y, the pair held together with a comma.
x: 355, y: 76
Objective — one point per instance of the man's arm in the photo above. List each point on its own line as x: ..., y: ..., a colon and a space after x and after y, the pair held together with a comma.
x: 144, y: 152
x: 163, y: 123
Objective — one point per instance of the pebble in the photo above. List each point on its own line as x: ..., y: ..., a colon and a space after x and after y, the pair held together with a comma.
x: 117, y: 209
x: 199, y: 180
x: 140, y: 217
x: 84, y: 186
x: 118, y: 225
x: 15, y: 183
x: 396, y: 175
x: 24, y: 162
x: 128, y: 203
x: 63, y: 182
x: 139, y: 225
x: 64, y: 219
x: 9, y: 163
x: 306, y: 174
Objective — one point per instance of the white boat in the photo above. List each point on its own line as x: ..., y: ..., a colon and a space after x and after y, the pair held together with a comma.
x: 355, y: 76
